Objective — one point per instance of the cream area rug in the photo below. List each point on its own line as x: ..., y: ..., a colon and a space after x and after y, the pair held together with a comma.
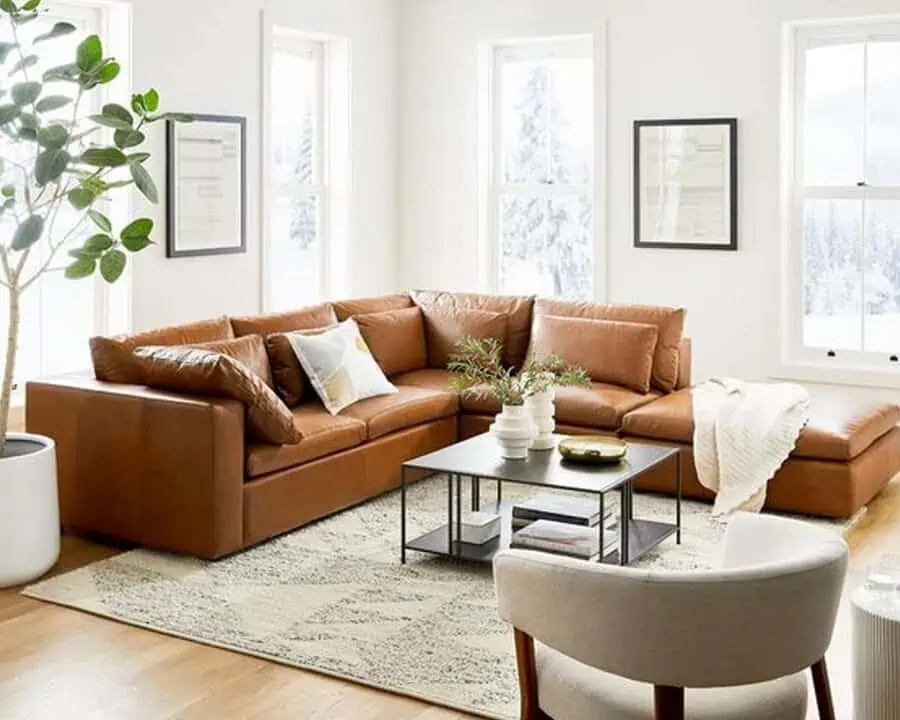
x: 333, y: 597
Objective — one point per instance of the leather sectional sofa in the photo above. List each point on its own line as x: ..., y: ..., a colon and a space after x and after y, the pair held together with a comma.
x: 182, y: 472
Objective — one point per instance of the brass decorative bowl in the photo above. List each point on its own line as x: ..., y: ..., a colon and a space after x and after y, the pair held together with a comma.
x: 592, y: 449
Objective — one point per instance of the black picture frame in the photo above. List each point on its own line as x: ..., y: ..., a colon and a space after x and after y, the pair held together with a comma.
x: 731, y: 238
x: 172, y: 250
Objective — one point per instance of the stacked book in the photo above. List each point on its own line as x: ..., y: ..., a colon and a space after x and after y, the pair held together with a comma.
x: 562, y: 525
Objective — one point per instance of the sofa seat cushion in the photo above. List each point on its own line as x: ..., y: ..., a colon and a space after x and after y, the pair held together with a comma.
x: 600, y: 406
x: 406, y: 408
x: 430, y: 378
x: 839, y: 428
x: 323, y: 434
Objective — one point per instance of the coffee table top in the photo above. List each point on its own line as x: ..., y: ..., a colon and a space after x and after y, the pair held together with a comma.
x: 479, y: 456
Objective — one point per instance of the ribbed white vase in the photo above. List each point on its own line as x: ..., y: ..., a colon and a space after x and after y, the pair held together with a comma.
x: 542, y: 410
x: 514, y: 430
x: 876, y: 658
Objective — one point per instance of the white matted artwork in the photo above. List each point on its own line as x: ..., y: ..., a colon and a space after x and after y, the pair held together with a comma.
x: 685, y: 184
x: 207, y: 186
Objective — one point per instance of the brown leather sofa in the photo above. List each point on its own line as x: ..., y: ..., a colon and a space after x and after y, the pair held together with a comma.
x: 179, y: 471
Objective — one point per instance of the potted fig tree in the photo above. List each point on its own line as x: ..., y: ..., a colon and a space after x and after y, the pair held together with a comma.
x: 58, y: 165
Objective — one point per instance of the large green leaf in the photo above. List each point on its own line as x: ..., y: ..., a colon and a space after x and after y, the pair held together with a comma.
x: 50, y: 165
x: 140, y: 228
x: 5, y: 49
x: 104, y: 157
x: 8, y: 191
x: 29, y: 120
x: 111, y: 122
x: 31, y: 5
x: 8, y: 113
x: 112, y: 264
x: 138, y: 105
x: 23, y: 64
x: 109, y: 72
x: 138, y: 157
x: 128, y: 138
x: 117, y: 111
x: 53, y: 136
x: 81, y: 198
x: 8, y: 6
x: 89, y: 53
x: 58, y: 30
x: 28, y: 233
x: 144, y: 182
x: 25, y: 93
x: 136, y: 244
x: 81, y: 268
x: 97, y: 244
x: 52, y: 102
x: 151, y: 100
x: 67, y: 73
x: 100, y: 220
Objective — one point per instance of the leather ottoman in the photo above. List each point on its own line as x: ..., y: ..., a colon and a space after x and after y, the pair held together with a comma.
x: 848, y: 452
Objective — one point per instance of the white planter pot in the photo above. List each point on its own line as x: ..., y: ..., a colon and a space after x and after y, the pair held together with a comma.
x: 29, y: 509
x: 542, y: 409
x: 514, y: 431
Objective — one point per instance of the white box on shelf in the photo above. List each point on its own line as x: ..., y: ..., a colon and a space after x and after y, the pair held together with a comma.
x: 478, y: 528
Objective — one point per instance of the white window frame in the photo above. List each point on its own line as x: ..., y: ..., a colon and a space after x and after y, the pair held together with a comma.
x: 282, y: 39
x: 112, y: 303
x: 496, y: 187
x: 797, y: 360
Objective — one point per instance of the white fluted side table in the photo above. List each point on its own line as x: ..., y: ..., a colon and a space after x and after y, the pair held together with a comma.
x: 876, y: 656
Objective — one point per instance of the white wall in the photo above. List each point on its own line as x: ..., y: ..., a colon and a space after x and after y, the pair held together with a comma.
x: 205, y: 56
x: 666, y: 58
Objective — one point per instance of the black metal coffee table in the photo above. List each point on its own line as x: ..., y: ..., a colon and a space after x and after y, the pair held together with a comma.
x: 479, y: 458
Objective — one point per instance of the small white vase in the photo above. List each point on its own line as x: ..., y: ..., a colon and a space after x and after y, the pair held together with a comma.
x: 29, y: 509
x: 514, y: 430
x: 542, y: 409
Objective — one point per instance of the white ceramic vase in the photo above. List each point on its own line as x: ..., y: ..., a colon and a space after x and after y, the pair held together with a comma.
x: 542, y: 410
x: 514, y: 431
x: 29, y: 509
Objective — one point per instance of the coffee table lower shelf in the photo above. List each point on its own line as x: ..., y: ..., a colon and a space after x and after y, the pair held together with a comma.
x: 644, y: 535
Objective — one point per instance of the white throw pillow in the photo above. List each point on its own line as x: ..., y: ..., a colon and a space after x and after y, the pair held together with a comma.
x: 340, y: 366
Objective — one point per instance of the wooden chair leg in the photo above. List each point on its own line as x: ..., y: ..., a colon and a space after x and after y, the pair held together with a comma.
x: 822, y: 687
x: 668, y: 702
x: 527, y: 671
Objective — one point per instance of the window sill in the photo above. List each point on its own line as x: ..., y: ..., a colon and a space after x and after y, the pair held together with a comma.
x: 868, y: 377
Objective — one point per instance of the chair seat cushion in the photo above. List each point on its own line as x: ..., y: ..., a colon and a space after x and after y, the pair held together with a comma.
x: 600, y: 406
x: 570, y: 690
x: 840, y: 428
x: 408, y: 407
x: 323, y: 434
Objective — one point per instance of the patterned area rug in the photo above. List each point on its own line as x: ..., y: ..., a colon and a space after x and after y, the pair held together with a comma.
x: 334, y: 598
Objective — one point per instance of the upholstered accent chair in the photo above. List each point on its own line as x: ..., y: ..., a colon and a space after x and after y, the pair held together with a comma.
x: 603, y: 642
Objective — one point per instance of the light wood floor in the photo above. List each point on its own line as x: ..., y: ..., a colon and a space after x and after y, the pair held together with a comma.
x: 58, y: 663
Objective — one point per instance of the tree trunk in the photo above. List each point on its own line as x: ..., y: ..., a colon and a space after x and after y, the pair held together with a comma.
x: 12, y: 345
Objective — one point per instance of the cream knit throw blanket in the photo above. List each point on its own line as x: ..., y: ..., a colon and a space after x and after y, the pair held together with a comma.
x: 743, y: 432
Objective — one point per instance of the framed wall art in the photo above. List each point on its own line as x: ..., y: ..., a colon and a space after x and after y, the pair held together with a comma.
x: 686, y: 184
x: 207, y: 186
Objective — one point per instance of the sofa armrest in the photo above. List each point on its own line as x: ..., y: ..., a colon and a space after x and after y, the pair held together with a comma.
x: 684, y: 364
x: 158, y: 469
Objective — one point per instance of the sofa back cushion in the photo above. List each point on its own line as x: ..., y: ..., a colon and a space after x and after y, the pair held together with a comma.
x: 517, y: 308
x: 618, y: 353
x: 314, y: 316
x: 364, y: 306
x: 669, y: 322
x: 204, y: 372
x: 445, y: 328
x: 249, y: 350
x: 113, y: 357
x: 396, y: 339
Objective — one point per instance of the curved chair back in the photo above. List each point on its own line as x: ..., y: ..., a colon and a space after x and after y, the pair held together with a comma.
x: 767, y: 613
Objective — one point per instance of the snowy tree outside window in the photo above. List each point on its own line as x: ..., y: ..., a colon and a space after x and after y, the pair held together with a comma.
x: 848, y: 194
x: 294, y: 253
x: 543, y: 170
